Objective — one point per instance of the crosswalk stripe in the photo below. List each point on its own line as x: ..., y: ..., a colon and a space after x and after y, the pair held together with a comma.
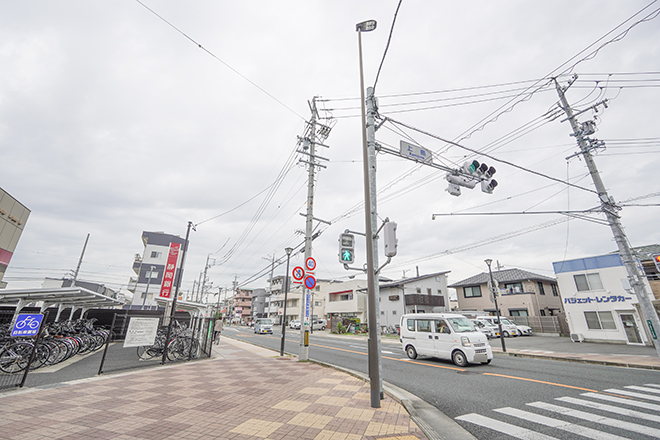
x: 610, y: 408
x: 623, y: 401
x: 632, y: 394
x: 648, y: 390
x: 598, y: 419
x: 505, y: 428
x: 652, y: 385
x: 559, y: 424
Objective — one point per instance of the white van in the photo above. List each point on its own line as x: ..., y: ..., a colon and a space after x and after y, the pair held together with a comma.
x: 445, y: 336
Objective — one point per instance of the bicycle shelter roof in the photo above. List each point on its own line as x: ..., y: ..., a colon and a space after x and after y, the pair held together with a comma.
x: 67, y: 296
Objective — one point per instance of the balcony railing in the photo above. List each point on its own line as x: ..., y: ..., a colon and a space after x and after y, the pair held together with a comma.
x: 417, y: 299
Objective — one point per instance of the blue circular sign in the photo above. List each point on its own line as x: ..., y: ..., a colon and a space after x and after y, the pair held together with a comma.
x: 310, y: 282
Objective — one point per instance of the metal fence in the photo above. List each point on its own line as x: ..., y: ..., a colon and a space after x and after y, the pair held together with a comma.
x: 539, y: 324
x: 109, y: 342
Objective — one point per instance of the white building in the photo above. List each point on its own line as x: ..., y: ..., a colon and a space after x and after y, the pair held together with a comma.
x: 150, y: 266
x: 425, y: 293
x: 598, y: 306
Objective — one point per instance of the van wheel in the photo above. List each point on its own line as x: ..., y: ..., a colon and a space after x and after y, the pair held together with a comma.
x: 506, y: 334
x: 411, y: 352
x: 323, y: 328
x: 459, y: 358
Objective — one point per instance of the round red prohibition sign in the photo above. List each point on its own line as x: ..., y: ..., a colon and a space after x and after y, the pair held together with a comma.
x: 310, y: 282
x: 298, y: 273
x: 310, y: 263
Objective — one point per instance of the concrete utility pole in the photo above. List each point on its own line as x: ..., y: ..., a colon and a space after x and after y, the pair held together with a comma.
x: 82, y: 254
x: 303, y: 354
x: 610, y: 208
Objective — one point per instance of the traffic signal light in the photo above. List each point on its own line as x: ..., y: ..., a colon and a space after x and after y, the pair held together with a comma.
x: 346, y: 248
x: 656, y: 260
x: 472, y: 172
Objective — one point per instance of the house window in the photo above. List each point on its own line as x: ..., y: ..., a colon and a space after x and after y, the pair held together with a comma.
x: 554, y: 290
x: 542, y: 312
x: 155, y: 254
x: 513, y: 288
x: 347, y: 297
x: 419, y: 290
x: 472, y: 291
x: 429, y: 291
x: 518, y: 312
x: 382, y: 312
x: 590, y: 281
x: 394, y: 312
x: 541, y: 291
x: 600, y: 320
x: 439, y: 292
x: 151, y: 274
x: 318, y: 303
x: 393, y: 297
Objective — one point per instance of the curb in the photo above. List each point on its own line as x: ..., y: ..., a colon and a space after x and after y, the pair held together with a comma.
x: 578, y: 360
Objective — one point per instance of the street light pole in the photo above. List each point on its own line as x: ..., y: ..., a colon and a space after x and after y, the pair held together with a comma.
x: 372, y: 315
x: 286, y: 291
x: 497, y: 308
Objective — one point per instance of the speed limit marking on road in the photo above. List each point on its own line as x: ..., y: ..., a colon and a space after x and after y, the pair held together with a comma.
x: 298, y: 273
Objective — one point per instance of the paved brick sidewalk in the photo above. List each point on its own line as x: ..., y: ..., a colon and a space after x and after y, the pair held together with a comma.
x: 243, y: 393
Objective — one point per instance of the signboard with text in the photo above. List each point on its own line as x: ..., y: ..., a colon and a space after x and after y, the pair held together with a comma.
x: 141, y: 332
x: 170, y: 270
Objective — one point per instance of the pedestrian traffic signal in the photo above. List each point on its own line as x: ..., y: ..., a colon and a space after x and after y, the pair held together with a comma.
x: 346, y: 248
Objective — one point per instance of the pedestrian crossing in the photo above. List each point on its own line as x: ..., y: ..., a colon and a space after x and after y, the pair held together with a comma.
x: 613, y: 414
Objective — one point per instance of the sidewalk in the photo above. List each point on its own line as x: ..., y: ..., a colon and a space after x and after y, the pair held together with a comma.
x: 556, y: 348
x: 244, y: 392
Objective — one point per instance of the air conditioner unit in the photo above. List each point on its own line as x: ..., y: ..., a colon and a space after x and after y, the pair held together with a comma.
x: 577, y: 337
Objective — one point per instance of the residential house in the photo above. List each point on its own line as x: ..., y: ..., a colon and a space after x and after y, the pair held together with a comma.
x: 521, y: 293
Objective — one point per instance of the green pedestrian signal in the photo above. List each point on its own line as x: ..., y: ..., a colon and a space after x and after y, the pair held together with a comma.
x: 346, y: 248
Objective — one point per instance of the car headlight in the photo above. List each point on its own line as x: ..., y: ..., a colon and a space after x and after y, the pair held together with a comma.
x: 465, y: 341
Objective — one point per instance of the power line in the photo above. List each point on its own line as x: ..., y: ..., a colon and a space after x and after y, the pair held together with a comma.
x: 387, y: 46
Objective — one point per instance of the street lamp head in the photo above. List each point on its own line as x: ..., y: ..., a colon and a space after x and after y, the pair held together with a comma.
x: 288, y: 250
x: 488, y: 261
x: 366, y: 26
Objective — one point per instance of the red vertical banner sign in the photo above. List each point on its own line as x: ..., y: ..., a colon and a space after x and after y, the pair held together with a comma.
x: 170, y: 270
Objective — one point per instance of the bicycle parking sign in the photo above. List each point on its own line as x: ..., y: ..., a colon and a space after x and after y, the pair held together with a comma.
x: 27, y: 324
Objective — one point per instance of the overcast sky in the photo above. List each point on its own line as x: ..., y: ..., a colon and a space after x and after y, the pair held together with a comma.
x: 113, y: 121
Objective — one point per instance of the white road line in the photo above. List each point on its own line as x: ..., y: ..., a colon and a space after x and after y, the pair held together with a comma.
x: 631, y: 394
x: 652, y: 385
x: 648, y: 390
x: 623, y: 401
x: 610, y: 408
x: 388, y: 352
x: 505, y: 428
x: 559, y: 424
x: 598, y: 419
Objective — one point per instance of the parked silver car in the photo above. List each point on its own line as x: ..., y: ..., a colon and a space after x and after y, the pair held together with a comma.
x: 295, y: 324
x: 263, y: 325
x: 319, y: 324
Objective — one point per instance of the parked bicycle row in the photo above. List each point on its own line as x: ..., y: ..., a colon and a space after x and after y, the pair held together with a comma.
x: 60, y: 341
x: 182, y: 345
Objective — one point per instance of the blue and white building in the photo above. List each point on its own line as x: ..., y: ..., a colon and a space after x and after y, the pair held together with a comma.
x: 599, y: 303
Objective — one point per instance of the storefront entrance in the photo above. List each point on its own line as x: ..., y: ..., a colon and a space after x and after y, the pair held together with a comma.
x: 630, y: 326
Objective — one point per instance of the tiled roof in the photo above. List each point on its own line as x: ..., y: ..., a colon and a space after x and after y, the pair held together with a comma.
x: 503, y: 276
x: 403, y: 281
x: 645, y: 252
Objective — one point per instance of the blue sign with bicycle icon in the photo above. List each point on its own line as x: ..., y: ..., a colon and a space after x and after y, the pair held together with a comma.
x: 27, y: 324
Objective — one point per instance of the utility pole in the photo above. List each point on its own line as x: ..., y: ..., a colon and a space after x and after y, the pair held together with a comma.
x: 610, y: 208
x: 303, y: 354
x: 206, y: 268
x: 75, y: 275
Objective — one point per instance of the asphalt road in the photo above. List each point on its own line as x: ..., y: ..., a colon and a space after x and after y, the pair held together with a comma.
x: 479, y: 394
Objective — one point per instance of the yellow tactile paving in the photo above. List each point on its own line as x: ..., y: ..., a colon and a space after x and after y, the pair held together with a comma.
x: 376, y: 428
x: 342, y: 387
x: 257, y: 428
x: 313, y: 390
x: 330, y: 381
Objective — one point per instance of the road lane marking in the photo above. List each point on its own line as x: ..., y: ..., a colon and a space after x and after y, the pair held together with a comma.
x: 540, y: 381
x: 622, y: 424
x: 558, y: 424
x: 631, y: 394
x: 648, y: 390
x: 610, y: 408
x: 503, y: 427
x: 623, y: 401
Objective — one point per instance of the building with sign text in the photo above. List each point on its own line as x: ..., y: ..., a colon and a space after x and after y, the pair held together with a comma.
x: 599, y: 303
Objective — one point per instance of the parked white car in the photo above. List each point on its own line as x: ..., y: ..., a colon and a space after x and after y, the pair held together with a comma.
x: 508, y: 327
x: 524, y: 330
x: 488, y: 329
x: 295, y: 324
